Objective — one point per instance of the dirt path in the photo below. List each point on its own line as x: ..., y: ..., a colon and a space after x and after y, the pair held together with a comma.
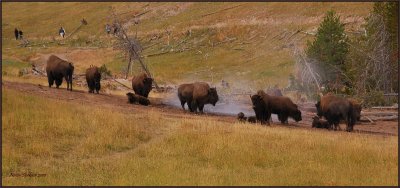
x: 389, y: 128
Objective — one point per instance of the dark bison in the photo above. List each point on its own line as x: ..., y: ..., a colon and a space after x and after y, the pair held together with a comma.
x: 57, y: 69
x: 241, y: 117
x: 252, y: 119
x: 142, y: 84
x: 196, y: 95
x: 133, y: 98
x: 264, y: 105
x: 93, y: 77
x: 320, y: 123
x: 334, y: 109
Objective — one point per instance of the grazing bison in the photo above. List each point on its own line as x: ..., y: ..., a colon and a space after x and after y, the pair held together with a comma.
x: 264, y: 105
x: 57, y: 69
x: 141, y: 84
x: 93, y: 77
x: 334, y: 109
x: 320, y: 123
x: 133, y: 98
x: 196, y: 95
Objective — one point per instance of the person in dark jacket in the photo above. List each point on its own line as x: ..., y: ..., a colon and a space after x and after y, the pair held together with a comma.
x: 20, y: 34
x: 16, y: 33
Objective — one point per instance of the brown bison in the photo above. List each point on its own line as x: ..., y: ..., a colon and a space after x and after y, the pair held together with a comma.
x: 196, y: 95
x: 264, y: 105
x: 133, y: 98
x: 320, y: 123
x: 57, y: 69
x: 334, y: 109
x: 241, y: 117
x: 93, y: 77
x: 142, y: 84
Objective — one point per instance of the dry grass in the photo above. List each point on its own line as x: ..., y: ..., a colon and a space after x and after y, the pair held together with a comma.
x: 76, y: 144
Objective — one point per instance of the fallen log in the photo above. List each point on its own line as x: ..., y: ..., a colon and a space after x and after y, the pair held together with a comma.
x: 385, y: 107
x: 379, y: 113
x: 372, y: 118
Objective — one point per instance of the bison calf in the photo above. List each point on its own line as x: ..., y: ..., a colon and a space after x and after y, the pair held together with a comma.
x: 241, y: 117
x: 319, y: 123
x: 133, y: 98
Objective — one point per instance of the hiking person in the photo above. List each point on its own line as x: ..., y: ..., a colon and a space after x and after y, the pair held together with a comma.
x: 16, y: 33
x: 108, y: 29
x: 62, y: 32
x: 20, y: 34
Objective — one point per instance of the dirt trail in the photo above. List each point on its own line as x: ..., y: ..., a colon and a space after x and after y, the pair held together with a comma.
x: 388, y: 128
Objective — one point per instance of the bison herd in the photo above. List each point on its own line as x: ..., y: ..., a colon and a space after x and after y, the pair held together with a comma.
x: 333, y: 108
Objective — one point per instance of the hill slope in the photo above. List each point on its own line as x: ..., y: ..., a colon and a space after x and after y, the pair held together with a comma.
x: 208, y: 41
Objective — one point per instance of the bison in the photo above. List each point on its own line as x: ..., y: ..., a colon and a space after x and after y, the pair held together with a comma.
x: 142, y: 84
x: 241, y: 117
x: 264, y: 105
x: 133, y: 98
x: 334, y: 109
x: 93, y: 77
x: 252, y: 119
x: 320, y: 123
x: 57, y: 69
x: 196, y: 95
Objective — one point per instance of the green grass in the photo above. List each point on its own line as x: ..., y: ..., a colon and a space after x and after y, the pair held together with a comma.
x: 12, y: 68
x: 253, y: 24
x: 76, y: 144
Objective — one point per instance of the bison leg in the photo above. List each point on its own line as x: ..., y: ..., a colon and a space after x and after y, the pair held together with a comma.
x: 193, y: 106
x: 51, y: 80
x: 201, y: 107
x: 69, y: 82
x: 183, y: 104
x: 58, y: 82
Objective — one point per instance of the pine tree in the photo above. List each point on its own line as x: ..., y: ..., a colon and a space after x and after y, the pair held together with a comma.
x: 330, y: 48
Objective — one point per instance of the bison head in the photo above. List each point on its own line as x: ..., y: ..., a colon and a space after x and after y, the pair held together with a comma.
x: 319, y: 110
x: 213, y: 95
x: 357, y: 111
x: 256, y: 100
x: 297, y: 115
x: 147, y: 81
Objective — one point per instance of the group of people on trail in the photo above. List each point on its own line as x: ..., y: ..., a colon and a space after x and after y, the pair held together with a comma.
x: 18, y: 34
x: 113, y: 28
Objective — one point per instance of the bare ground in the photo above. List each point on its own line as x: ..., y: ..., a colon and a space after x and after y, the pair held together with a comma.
x: 385, y: 128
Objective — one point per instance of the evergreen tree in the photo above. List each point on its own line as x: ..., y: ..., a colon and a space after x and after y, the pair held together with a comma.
x: 330, y: 48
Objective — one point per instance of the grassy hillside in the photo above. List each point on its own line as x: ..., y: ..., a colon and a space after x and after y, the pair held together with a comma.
x: 46, y: 136
x: 254, y: 52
